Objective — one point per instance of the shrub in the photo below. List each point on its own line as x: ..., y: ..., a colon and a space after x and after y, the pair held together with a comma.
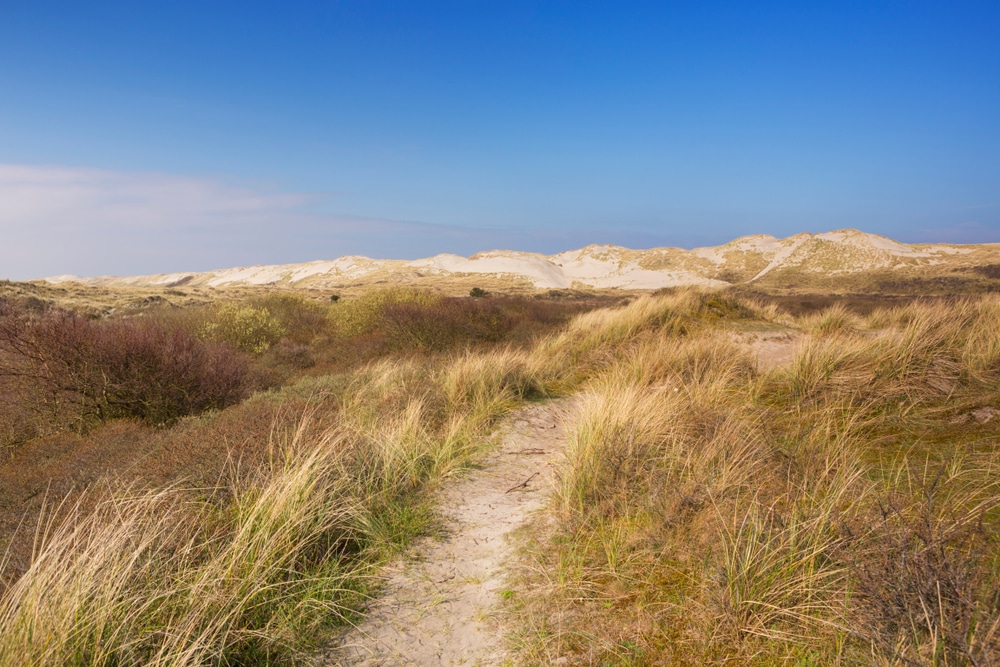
x: 301, y: 319
x: 293, y: 355
x: 443, y: 325
x: 478, y: 292
x: 364, y: 315
x: 922, y: 567
x: 250, y: 328
x: 400, y: 319
x: 453, y: 322
x: 83, y: 370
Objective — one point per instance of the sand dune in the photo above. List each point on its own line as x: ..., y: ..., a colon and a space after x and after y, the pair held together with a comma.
x: 747, y: 259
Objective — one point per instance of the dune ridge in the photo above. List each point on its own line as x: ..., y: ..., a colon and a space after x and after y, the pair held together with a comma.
x: 747, y: 259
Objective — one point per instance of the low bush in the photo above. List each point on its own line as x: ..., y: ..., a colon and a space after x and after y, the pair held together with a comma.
x: 292, y: 355
x: 252, y: 329
x: 399, y: 320
x: 300, y: 319
x: 449, y: 323
x: 81, y: 371
x: 365, y: 315
x: 925, y: 589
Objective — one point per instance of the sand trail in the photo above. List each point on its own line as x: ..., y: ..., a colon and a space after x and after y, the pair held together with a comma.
x: 436, y: 606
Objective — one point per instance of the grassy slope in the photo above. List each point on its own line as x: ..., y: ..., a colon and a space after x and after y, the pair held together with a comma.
x: 838, y: 510
x: 247, y: 572
x: 233, y: 537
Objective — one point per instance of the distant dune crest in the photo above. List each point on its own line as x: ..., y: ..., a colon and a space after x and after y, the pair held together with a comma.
x: 748, y: 259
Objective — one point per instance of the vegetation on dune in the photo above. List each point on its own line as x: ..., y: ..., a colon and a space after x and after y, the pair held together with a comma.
x: 252, y: 329
x: 59, y: 369
x: 407, y: 319
x: 143, y: 567
x: 250, y: 571
x: 838, y: 509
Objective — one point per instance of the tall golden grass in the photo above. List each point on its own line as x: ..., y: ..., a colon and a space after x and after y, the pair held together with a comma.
x: 841, y: 509
x: 252, y: 573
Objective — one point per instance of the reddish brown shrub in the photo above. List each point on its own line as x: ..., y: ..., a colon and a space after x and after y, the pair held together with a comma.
x: 102, y: 370
x: 290, y: 354
x: 924, y: 578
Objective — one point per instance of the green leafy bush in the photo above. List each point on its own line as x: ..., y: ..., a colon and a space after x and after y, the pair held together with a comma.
x: 365, y: 314
x: 252, y: 329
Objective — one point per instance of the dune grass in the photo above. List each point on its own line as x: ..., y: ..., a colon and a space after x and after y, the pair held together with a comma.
x: 258, y: 570
x: 839, y: 509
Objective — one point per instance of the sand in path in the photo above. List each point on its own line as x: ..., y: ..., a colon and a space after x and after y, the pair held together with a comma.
x: 435, y: 607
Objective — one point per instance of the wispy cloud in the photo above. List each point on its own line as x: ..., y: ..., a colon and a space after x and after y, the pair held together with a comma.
x: 78, y: 198
x: 56, y: 220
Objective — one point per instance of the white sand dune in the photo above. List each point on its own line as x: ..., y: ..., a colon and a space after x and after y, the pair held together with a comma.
x: 596, y: 266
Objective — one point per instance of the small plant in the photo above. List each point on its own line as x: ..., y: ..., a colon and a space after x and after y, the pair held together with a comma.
x: 293, y: 355
x: 478, y: 292
x: 365, y: 315
x: 334, y: 298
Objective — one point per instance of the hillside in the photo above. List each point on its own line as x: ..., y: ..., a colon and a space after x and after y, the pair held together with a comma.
x: 691, y: 477
x: 843, y: 260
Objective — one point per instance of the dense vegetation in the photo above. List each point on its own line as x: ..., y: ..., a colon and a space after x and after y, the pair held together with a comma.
x: 61, y: 370
x: 840, y: 508
x: 79, y: 371
x: 196, y: 533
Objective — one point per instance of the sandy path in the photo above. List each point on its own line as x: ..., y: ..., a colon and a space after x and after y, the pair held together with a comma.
x: 436, y: 605
x: 772, y: 348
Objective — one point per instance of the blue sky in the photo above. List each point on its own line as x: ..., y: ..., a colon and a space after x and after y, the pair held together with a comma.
x: 142, y: 137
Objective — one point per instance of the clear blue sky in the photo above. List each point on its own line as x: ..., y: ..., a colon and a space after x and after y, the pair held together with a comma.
x: 141, y: 137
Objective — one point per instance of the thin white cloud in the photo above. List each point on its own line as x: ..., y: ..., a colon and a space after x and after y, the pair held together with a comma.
x: 57, y: 220
x: 65, y: 197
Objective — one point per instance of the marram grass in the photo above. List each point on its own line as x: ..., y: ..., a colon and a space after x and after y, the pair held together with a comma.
x: 258, y: 572
x: 838, y: 510
x: 842, y: 509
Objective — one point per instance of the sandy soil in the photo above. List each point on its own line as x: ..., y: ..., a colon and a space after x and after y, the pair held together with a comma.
x: 436, y: 607
x: 851, y: 251
x: 772, y: 348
